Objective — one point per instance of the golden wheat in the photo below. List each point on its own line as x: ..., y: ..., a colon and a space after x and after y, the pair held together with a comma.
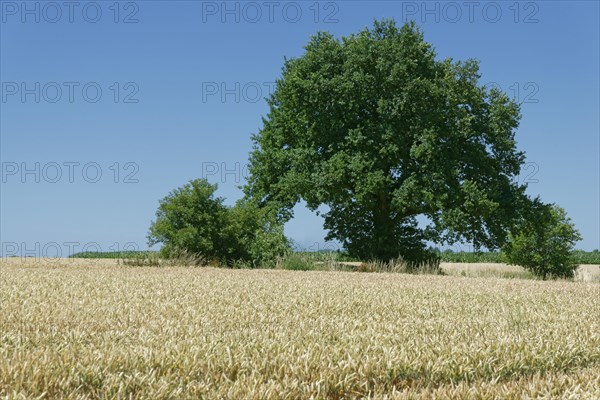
x: 99, y: 330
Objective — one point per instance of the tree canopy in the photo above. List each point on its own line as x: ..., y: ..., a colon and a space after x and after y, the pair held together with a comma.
x: 380, y: 131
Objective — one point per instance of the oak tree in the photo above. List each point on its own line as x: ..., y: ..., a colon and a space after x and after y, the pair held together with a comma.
x: 378, y: 129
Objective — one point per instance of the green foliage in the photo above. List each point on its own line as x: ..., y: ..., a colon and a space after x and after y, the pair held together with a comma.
x: 578, y: 257
x: 586, y: 257
x: 296, y: 262
x: 544, y: 243
x: 379, y: 131
x: 268, y: 245
x: 110, y: 254
x: 193, y: 220
x: 255, y: 236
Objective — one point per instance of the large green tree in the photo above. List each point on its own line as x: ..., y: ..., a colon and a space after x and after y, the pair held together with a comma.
x: 380, y: 131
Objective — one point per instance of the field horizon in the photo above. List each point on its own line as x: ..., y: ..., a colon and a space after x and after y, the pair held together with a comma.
x: 583, y: 273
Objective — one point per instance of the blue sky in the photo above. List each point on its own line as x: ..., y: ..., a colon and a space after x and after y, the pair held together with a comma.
x: 108, y: 106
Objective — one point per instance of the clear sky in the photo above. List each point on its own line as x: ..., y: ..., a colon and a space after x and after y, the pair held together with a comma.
x: 107, y: 106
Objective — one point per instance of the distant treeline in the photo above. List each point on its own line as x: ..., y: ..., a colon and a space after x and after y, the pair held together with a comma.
x: 579, y: 256
x: 111, y: 254
x: 471, y: 257
x: 587, y: 257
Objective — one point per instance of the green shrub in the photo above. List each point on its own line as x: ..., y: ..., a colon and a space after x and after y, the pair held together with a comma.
x: 544, y: 243
x: 586, y: 257
x: 110, y: 254
x: 192, y: 220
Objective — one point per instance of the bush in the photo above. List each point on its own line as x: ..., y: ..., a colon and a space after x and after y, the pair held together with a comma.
x: 254, y: 236
x: 269, y: 245
x: 544, y: 244
x: 192, y: 220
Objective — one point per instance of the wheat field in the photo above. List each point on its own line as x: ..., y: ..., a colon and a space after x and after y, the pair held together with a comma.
x: 98, y: 330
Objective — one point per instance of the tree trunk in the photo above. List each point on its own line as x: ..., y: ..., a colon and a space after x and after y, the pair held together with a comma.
x: 384, y: 236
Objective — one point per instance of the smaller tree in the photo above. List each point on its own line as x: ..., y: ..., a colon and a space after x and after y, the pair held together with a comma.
x: 192, y: 219
x: 544, y: 243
